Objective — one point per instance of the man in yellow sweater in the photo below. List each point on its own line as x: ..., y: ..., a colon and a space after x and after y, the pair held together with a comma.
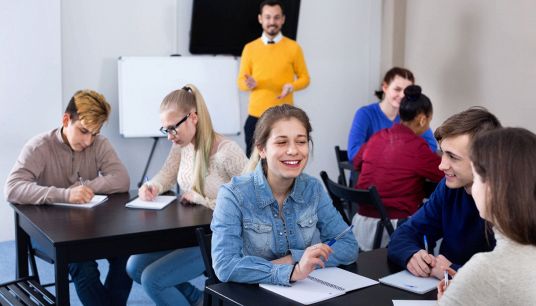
x: 272, y: 67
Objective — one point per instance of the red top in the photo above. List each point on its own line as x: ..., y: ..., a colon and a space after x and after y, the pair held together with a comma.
x: 397, y: 162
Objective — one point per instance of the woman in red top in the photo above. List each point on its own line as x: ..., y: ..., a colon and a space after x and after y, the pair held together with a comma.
x: 397, y: 161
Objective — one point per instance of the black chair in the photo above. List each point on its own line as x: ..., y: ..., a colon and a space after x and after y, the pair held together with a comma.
x: 26, y: 291
x: 355, y: 197
x: 205, y: 241
x: 345, y: 165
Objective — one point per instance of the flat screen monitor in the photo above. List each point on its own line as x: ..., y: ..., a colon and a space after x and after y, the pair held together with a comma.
x: 225, y: 26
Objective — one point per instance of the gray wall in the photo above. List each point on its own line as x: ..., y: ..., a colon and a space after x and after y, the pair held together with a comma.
x: 476, y: 52
x: 341, y: 42
x: 30, y: 82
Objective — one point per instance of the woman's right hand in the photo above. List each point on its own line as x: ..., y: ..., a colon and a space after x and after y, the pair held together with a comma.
x: 147, y: 192
x: 313, y: 257
x: 442, y: 286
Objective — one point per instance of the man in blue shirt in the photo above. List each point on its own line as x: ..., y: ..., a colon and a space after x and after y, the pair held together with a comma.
x: 450, y: 213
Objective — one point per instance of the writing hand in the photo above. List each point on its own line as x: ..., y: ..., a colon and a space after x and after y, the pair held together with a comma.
x: 80, y: 195
x: 420, y: 263
x: 442, y: 287
x: 442, y: 264
x: 313, y: 256
x: 250, y: 81
x: 147, y: 192
x: 287, y: 88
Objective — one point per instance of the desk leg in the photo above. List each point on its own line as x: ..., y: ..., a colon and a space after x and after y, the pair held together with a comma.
x: 21, y: 245
x: 62, y: 279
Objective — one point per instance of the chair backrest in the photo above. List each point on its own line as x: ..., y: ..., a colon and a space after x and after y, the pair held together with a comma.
x: 204, y: 240
x: 345, y: 165
x: 355, y: 197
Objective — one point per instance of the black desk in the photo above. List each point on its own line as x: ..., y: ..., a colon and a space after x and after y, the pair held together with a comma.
x: 371, y: 264
x: 77, y: 234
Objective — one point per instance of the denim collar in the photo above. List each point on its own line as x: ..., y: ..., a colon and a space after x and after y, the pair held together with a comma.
x: 264, y: 193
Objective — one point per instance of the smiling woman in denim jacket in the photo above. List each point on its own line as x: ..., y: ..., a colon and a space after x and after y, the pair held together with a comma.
x: 269, y: 225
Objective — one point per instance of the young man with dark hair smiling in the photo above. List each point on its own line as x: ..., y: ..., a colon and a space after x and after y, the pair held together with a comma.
x: 450, y: 213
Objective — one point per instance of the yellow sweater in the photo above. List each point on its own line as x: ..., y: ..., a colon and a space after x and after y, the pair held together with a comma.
x: 272, y: 66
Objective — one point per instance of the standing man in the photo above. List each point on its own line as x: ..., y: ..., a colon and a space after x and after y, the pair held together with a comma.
x: 272, y: 67
x: 70, y: 164
x: 451, y: 212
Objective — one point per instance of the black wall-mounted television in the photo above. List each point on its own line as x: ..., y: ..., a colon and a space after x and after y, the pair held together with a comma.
x: 225, y: 26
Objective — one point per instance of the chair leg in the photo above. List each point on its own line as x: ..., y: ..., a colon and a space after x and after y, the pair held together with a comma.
x: 33, y: 265
x: 378, y: 235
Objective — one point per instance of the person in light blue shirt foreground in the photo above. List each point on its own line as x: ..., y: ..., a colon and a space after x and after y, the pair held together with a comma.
x: 269, y: 225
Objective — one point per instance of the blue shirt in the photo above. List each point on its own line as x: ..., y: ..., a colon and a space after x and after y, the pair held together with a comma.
x: 370, y: 119
x: 247, y: 232
x: 450, y: 214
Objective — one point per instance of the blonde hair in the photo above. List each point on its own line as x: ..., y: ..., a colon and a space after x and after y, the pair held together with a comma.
x: 90, y: 107
x: 184, y: 100
x: 264, y: 128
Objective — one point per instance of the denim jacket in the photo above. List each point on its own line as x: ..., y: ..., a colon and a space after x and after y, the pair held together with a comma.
x: 247, y: 232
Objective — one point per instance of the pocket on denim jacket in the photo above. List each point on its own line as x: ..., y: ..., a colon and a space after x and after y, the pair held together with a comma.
x: 307, y: 226
x: 257, y: 237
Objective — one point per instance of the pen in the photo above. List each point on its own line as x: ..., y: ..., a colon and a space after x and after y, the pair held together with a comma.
x: 80, y: 179
x: 332, y: 241
x: 426, y: 244
x: 446, y: 278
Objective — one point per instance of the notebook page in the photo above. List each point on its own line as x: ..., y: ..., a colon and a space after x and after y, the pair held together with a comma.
x: 407, y: 281
x: 96, y: 200
x: 158, y: 203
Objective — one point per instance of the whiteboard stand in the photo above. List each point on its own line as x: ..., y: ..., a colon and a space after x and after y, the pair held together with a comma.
x: 155, y: 142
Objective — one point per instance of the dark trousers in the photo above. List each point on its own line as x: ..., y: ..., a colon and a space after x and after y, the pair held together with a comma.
x: 249, y: 129
x: 91, y: 291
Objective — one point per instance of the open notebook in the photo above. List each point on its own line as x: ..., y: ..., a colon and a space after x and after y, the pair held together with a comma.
x: 158, y: 203
x: 407, y: 281
x: 96, y: 200
x: 322, y: 284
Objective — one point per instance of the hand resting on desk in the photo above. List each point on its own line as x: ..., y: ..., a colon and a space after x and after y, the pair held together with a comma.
x: 424, y: 264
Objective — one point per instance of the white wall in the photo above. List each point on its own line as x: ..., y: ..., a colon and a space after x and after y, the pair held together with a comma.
x: 340, y: 42
x: 30, y: 82
x: 476, y: 52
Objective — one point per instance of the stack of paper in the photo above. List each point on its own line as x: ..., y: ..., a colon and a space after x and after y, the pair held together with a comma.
x: 322, y: 284
x: 96, y: 200
x: 407, y: 281
x: 158, y: 203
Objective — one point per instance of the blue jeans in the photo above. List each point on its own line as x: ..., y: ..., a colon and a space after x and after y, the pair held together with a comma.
x: 90, y: 290
x: 165, y: 275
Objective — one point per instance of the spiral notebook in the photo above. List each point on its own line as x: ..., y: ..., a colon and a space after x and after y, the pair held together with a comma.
x: 321, y: 284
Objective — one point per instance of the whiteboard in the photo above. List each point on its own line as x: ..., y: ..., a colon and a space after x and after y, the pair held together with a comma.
x: 145, y: 81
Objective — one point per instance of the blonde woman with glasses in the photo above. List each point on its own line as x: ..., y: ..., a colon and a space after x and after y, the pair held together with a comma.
x: 200, y: 161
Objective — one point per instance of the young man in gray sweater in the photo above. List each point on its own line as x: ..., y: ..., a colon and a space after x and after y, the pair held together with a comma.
x: 70, y: 164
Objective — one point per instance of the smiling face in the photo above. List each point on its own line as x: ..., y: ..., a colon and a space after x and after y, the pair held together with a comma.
x: 271, y: 20
x: 394, y: 91
x: 185, y: 132
x: 76, y: 134
x: 286, y: 151
x: 455, y: 162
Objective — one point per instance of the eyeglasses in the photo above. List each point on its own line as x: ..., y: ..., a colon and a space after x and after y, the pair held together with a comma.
x: 173, y: 129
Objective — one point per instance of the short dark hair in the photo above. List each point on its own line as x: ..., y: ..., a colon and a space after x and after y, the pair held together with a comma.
x: 505, y: 159
x: 473, y: 121
x: 414, y: 103
x: 271, y: 3
x: 391, y: 74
